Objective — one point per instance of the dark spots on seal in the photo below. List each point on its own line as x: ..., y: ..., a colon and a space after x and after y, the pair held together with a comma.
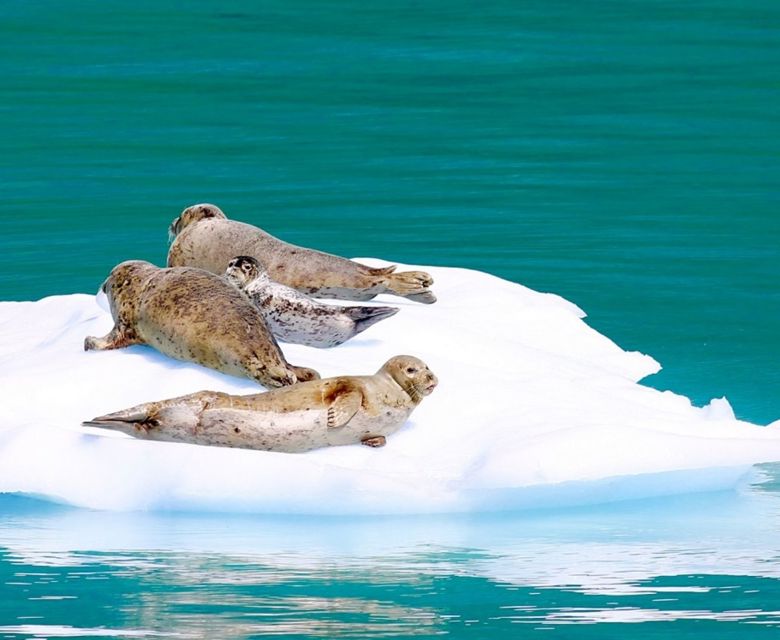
x: 236, y: 430
x: 333, y: 391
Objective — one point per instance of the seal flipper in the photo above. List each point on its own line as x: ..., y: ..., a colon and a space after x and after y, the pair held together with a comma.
x: 364, y: 317
x: 412, y: 285
x: 378, y: 271
x: 175, y: 419
x: 374, y: 441
x: 304, y: 374
x: 343, y: 406
x: 135, y: 421
x: 120, y: 336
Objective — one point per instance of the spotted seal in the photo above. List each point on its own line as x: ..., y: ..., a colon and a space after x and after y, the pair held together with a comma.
x: 309, y: 415
x: 191, y: 314
x: 293, y: 316
x: 204, y: 237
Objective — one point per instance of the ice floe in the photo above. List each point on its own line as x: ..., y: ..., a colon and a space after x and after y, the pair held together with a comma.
x: 534, y: 409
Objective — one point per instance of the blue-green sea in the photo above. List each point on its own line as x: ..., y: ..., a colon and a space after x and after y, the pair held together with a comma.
x: 622, y: 154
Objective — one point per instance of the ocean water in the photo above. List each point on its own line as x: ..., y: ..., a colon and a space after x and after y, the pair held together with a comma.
x: 624, y: 155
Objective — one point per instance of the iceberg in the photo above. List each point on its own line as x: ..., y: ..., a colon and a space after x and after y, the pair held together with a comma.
x: 535, y: 409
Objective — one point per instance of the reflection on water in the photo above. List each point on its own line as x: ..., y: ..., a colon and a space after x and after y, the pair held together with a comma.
x: 706, y: 563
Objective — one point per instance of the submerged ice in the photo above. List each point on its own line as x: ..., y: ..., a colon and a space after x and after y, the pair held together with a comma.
x: 534, y: 409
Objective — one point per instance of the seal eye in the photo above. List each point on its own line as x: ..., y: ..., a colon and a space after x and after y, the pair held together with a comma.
x: 411, y: 370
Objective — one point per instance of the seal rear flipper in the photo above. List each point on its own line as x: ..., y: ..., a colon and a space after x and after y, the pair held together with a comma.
x: 135, y: 421
x: 119, y: 337
x: 412, y: 285
x: 377, y: 271
x: 364, y: 317
x: 425, y: 297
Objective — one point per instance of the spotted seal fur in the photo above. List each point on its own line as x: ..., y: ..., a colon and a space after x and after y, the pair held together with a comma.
x: 293, y: 316
x: 191, y: 314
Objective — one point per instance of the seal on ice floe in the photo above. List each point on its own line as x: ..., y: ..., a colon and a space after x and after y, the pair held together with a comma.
x: 205, y: 238
x: 193, y: 315
x: 321, y: 413
x: 293, y: 316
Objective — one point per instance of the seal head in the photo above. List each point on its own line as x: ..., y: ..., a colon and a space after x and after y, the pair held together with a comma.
x: 412, y: 375
x: 242, y: 270
x: 195, y: 213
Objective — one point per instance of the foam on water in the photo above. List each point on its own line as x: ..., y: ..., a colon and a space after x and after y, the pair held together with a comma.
x: 534, y: 408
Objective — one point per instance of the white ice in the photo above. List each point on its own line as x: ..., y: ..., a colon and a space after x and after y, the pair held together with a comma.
x: 534, y: 409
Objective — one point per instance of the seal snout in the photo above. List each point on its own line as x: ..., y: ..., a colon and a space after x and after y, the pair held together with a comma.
x: 431, y: 383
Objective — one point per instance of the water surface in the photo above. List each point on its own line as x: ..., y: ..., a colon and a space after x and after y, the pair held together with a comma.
x: 622, y: 154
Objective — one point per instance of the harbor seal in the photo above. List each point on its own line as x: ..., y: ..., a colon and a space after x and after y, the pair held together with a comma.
x: 293, y: 316
x: 191, y: 314
x: 309, y: 415
x: 205, y: 238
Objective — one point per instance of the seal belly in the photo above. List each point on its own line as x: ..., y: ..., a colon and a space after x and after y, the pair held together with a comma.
x: 289, y: 432
x: 370, y: 422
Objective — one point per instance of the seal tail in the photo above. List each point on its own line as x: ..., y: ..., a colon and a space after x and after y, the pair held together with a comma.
x: 412, y: 285
x: 364, y: 317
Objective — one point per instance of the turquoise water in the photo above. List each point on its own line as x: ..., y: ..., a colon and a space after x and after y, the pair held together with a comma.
x: 625, y: 155
x: 703, y: 566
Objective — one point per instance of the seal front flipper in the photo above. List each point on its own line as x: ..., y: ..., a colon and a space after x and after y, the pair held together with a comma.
x: 304, y: 374
x: 374, y: 441
x: 120, y: 336
x: 344, y: 404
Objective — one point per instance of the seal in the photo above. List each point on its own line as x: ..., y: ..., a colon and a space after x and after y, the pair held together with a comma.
x: 309, y: 415
x: 293, y: 316
x: 191, y: 314
x: 204, y: 237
